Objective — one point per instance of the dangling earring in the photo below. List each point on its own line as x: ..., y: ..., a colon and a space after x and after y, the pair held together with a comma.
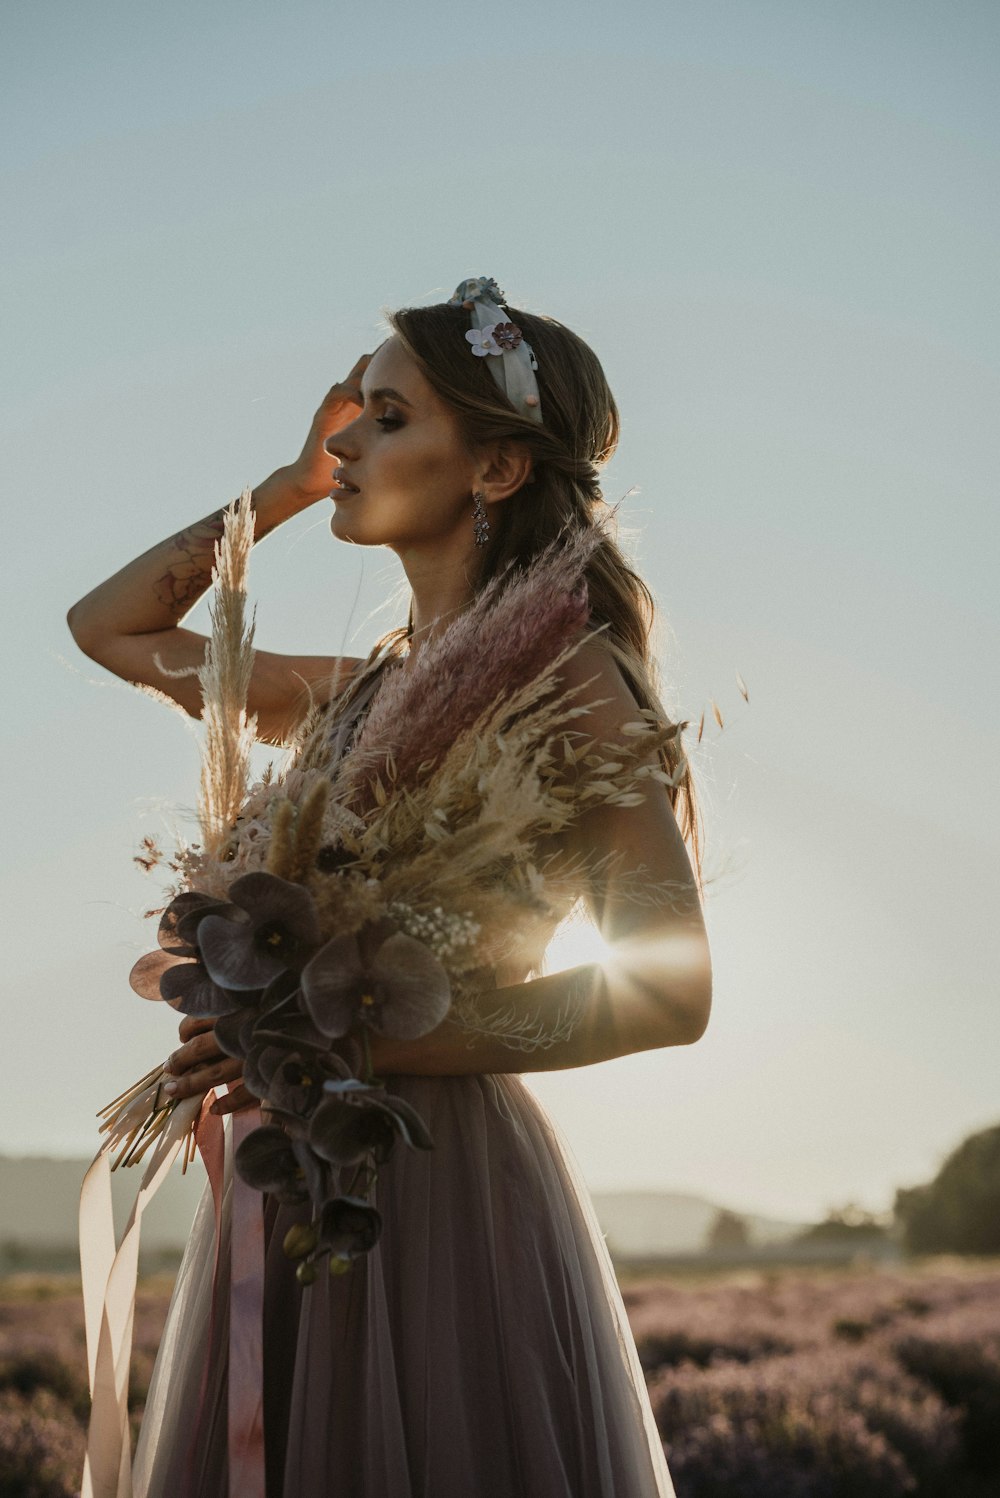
x: 480, y: 522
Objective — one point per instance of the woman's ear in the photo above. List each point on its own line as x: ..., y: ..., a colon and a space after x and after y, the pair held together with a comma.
x: 505, y: 468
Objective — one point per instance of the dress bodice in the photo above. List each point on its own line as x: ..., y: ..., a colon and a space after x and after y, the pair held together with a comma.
x: 345, y: 726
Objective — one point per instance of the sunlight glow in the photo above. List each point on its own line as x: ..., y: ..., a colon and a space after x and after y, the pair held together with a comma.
x: 576, y: 940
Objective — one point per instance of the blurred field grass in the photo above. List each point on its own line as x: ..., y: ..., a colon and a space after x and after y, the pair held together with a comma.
x: 859, y: 1383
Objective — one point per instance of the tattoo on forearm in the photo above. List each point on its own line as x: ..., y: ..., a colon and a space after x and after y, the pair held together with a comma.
x: 190, y: 573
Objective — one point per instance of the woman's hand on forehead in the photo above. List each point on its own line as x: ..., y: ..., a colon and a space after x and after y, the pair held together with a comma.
x: 312, y: 471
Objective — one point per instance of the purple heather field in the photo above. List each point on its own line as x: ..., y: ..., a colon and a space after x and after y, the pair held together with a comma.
x: 779, y: 1385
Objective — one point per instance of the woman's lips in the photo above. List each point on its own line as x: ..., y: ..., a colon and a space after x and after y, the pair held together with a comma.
x: 341, y: 487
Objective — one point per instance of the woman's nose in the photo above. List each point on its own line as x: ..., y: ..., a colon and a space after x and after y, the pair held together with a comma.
x: 341, y: 444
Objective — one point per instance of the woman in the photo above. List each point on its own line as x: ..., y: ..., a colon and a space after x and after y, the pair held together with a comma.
x: 482, y: 1348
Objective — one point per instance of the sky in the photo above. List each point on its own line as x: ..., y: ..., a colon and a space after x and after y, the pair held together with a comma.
x: 777, y: 225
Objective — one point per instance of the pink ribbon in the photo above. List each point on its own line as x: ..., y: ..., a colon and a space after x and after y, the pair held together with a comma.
x: 246, y: 1310
x: 246, y: 1329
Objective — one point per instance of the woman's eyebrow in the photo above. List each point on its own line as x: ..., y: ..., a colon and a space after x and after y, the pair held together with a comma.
x: 385, y: 392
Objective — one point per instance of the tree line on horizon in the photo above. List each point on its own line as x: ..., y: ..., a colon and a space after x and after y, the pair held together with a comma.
x: 957, y: 1212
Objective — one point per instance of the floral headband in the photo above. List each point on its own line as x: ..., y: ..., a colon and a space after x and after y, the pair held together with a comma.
x: 492, y: 333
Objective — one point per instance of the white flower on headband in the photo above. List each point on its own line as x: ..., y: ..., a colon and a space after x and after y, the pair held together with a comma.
x: 482, y: 340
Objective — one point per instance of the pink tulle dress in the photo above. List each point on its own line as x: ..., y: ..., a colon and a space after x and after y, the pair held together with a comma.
x: 480, y: 1350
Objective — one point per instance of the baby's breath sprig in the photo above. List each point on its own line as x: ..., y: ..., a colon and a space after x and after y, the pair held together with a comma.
x: 445, y: 932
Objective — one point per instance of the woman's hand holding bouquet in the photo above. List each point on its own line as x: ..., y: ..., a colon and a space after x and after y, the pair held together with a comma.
x: 199, y: 1065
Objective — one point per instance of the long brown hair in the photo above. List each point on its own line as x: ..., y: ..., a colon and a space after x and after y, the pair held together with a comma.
x: 577, y: 436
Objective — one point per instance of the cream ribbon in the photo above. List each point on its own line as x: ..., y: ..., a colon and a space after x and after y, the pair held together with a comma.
x: 109, y: 1282
x: 109, y: 1286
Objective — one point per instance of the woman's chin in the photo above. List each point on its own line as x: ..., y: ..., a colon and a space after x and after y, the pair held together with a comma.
x: 345, y: 528
x: 340, y: 527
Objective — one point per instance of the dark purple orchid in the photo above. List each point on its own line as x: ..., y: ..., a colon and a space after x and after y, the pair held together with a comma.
x: 286, y: 1060
x: 147, y: 972
x: 234, y: 1031
x: 259, y: 1066
x: 268, y: 1015
x: 269, y: 1161
x: 317, y: 1174
x: 188, y: 988
x: 348, y: 1226
x: 178, y: 929
x: 274, y: 928
x: 380, y: 977
x: 296, y: 1084
x: 174, y: 972
x: 286, y: 1024
x: 356, y: 1119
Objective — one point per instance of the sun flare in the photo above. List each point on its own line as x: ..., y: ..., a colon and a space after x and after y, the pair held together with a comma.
x: 575, y: 941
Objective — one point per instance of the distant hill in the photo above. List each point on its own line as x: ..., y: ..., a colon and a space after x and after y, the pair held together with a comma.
x: 644, y: 1224
x: 39, y: 1198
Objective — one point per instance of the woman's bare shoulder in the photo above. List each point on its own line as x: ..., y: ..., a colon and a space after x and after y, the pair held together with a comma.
x: 596, y: 682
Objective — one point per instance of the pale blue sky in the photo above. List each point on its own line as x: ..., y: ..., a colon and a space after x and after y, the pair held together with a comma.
x: 777, y: 225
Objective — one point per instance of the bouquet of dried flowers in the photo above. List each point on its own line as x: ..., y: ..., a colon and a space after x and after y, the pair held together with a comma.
x: 371, y: 889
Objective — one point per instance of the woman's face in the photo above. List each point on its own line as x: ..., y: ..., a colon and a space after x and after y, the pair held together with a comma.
x: 404, y: 457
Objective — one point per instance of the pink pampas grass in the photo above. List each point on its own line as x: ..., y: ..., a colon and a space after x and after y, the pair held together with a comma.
x: 511, y: 631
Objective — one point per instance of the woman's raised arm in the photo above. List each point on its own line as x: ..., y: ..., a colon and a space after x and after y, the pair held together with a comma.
x: 133, y: 620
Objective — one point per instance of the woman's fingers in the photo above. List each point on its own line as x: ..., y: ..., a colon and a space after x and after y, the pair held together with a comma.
x: 200, y: 1048
x: 235, y: 1100
x: 198, y: 1064
x: 337, y: 407
x: 200, y: 1078
x: 193, y: 1025
x: 312, y: 471
x: 349, y: 388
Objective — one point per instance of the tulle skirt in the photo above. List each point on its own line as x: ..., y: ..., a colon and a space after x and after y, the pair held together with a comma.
x: 480, y: 1350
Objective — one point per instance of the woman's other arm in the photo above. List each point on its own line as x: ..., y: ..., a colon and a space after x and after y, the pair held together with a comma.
x: 654, y: 989
x: 133, y: 620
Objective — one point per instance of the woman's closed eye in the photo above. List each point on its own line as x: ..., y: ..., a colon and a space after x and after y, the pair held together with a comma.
x: 389, y: 423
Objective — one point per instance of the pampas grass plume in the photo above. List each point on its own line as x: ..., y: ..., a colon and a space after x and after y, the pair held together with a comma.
x: 454, y: 680
x: 225, y: 681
